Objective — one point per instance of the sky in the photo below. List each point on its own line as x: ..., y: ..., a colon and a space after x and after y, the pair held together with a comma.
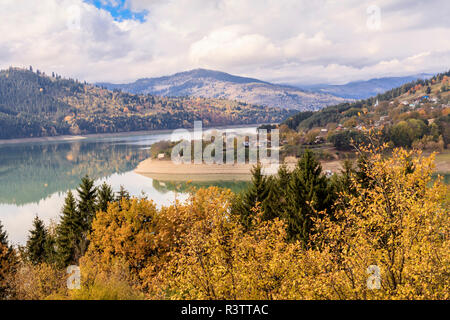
x: 282, y: 41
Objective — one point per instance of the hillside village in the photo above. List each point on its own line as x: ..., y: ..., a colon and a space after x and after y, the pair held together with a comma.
x: 415, y: 115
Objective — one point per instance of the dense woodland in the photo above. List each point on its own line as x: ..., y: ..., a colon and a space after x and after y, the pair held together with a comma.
x: 377, y: 230
x: 33, y: 104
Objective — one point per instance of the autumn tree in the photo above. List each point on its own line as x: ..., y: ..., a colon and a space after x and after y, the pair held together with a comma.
x: 40, y: 281
x: 131, y: 236
x: 216, y: 258
x: 390, y: 241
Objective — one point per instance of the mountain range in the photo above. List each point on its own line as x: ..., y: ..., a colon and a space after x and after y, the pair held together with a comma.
x: 216, y: 84
x: 364, y: 89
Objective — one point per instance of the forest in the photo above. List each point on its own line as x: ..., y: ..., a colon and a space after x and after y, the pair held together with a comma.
x: 378, y: 229
x: 33, y: 104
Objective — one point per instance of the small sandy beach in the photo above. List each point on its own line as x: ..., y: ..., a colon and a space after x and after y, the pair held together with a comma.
x: 166, y: 170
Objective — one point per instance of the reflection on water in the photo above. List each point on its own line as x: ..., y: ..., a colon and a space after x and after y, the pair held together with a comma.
x: 30, y: 173
x: 184, y: 187
x: 35, y: 177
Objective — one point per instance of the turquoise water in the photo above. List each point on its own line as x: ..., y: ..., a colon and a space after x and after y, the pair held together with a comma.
x: 35, y: 177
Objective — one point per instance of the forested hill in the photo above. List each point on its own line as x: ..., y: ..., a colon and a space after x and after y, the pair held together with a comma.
x: 404, y: 99
x: 33, y: 104
x: 416, y: 114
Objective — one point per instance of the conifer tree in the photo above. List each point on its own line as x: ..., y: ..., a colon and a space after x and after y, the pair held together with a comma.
x: 105, y: 196
x: 308, y: 192
x: 38, y: 241
x: 283, y: 179
x: 87, y: 194
x: 256, y: 193
x: 8, y: 265
x: 122, y: 194
x: 3, y: 236
x: 342, y: 183
x: 69, y: 233
x: 271, y: 207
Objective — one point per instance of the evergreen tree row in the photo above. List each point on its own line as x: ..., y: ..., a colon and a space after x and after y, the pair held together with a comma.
x: 68, y: 242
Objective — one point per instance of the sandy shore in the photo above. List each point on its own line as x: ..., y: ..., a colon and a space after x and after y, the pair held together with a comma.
x: 166, y: 170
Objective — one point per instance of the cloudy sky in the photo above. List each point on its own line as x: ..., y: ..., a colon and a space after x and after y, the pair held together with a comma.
x: 285, y: 41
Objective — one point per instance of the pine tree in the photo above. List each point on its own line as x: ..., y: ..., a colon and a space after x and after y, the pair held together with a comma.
x: 8, y: 265
x: 343, y: 181
x: 105, y: 196
x: 37, y: 244
x: 69, y: 233
x: 271, y: 204
x: 123, y: 194
x: 283, y: 180
x: 308, y: 192
x: 284, y: 177
x: 87, y: 194
x: 255, y: 194
x: 3, y: 236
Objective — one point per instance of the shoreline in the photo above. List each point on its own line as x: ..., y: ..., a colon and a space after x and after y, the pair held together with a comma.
x: 68, y: 138
x: 166, y: 170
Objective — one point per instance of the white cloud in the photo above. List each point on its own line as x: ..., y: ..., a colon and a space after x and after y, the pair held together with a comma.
x: 291, y: 41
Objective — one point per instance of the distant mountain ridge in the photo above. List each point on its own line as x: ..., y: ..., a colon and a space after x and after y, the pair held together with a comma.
x: 364, y: 89
x: 216, y: 84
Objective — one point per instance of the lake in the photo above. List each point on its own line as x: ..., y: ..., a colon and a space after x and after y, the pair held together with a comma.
x: 35, y: 177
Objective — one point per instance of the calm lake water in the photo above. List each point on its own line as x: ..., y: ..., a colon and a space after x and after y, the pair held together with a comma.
x: 35, y: 177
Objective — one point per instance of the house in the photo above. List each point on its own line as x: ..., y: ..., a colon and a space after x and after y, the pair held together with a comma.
x: 319, y: 139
